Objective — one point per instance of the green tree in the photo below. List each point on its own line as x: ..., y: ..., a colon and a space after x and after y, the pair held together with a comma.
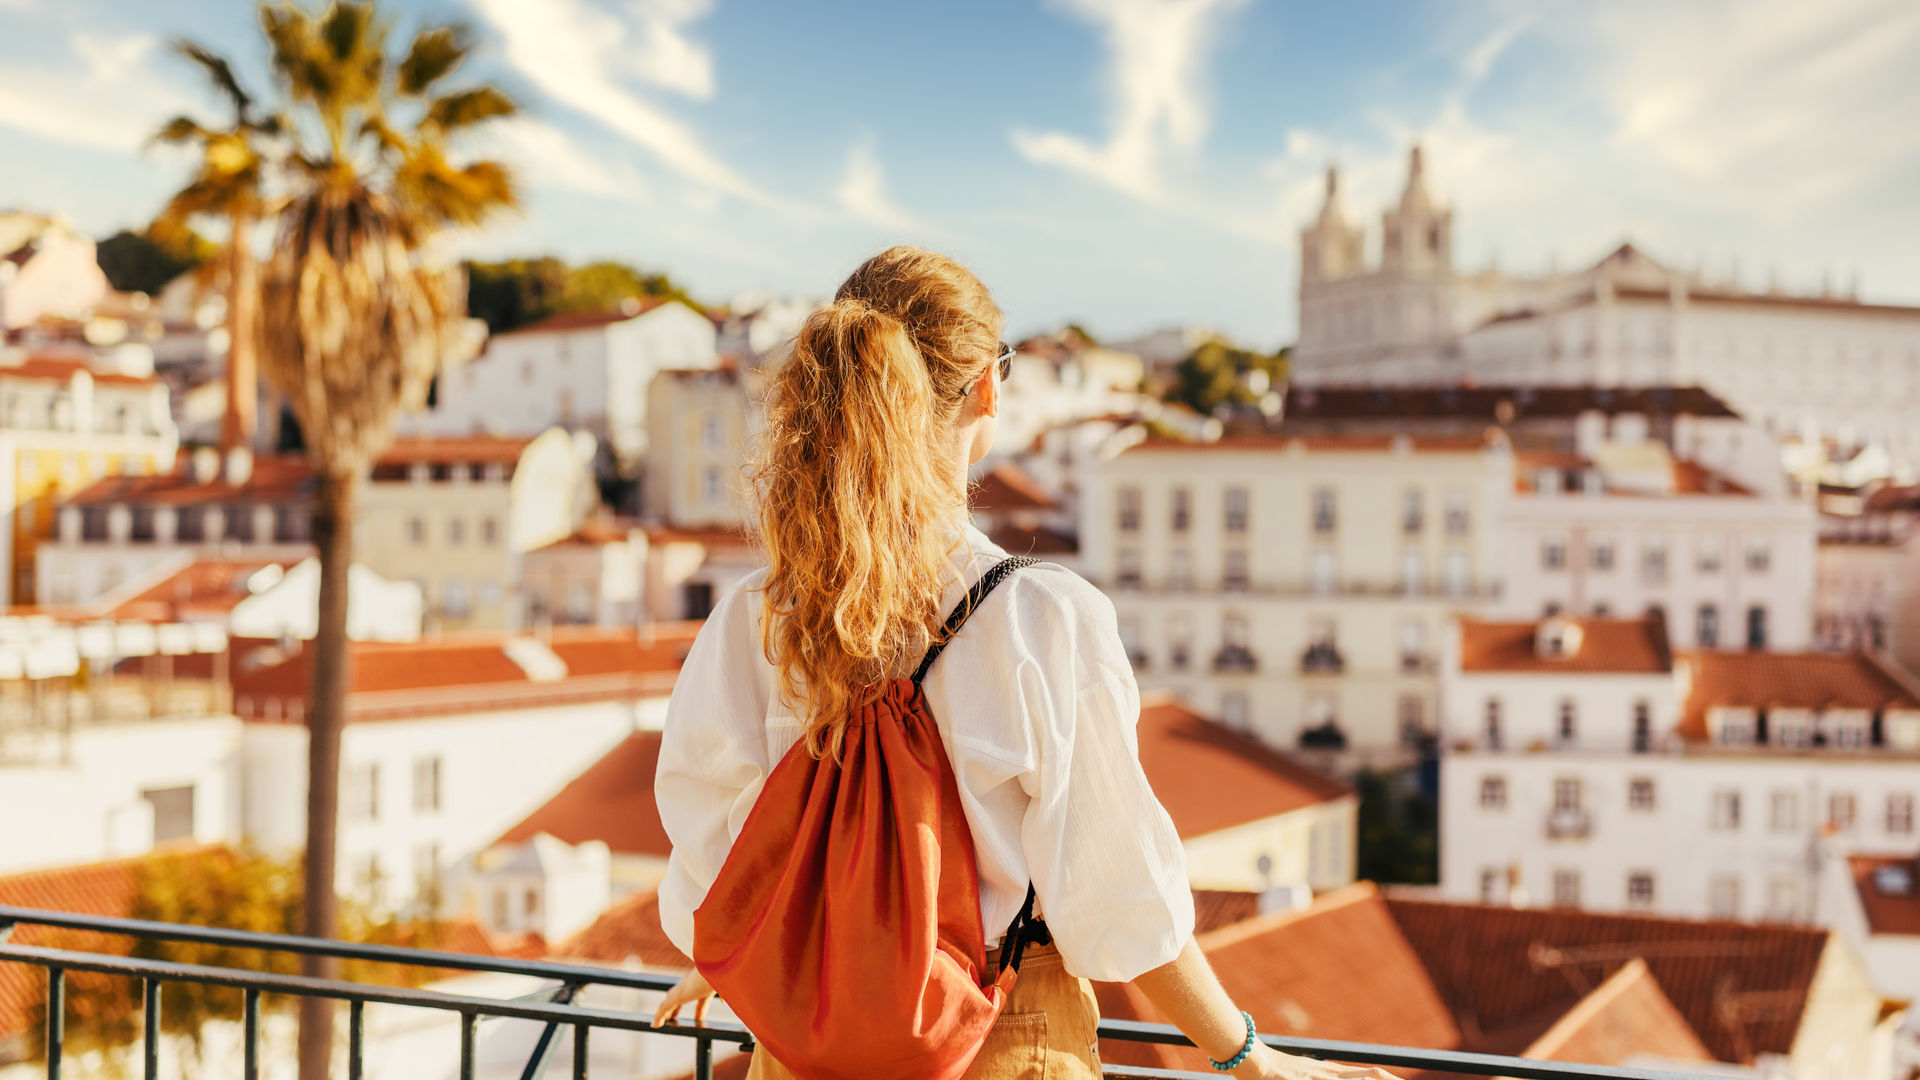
x: 358, y: 319
x: 229, y: 184
x: 1399, y: 831
x: 149, y: 260
x: 515, y: 292
x: 1218, y: 373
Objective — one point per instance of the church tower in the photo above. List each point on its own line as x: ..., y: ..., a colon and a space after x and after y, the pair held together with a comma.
x: 1417, y: 236
x: 1331, y: 248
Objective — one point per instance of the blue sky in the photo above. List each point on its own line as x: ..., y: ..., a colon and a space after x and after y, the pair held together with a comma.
x: 1125, y: 163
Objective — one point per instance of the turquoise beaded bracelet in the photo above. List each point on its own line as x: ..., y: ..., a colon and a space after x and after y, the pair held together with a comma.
x: 1234, y: 1062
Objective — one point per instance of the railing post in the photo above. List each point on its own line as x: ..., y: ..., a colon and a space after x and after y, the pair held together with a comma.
x: 702, y: 1058
x: 356, y: 1038
x: 250, y: 1021
x: 150, y: 1016
x: 468, y: 1022
x: 580, y: 1050
x: 56, y: 1019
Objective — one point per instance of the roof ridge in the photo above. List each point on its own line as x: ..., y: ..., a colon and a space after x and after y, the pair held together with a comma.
x: 1344, y: 897
x: 1590, y: 1005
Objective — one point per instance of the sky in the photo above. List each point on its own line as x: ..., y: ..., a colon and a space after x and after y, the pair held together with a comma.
x: 1123, y: 164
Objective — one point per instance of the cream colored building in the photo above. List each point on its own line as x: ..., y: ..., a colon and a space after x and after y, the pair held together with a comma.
x: 1822, y: 366
x: 1868, y: 592
x: 457, y: 516
x: 1297, y: 586
x: 702, y: 422
x: 62, y: 427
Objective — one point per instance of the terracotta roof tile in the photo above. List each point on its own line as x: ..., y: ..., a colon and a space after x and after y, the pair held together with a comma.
x: 587, y: 320
x: 455, y: 450
x: 1211, y: 778
x: 1626, y: 1016
x: 1038, y: 541
x: 205, y: 588
x: 1007, y: 487
x: 713, y: 536
x: 1766, y: 680
x: 629, y: 930
x: 1501, y: 967
x: 1338, y: 970
x: 63, y: 369
x: 1606, y: 646
x: 1320, y: 403
x: 1888, y: 911
x: 611, y: 801
x: 281, y: 478
x: 1214, y: 909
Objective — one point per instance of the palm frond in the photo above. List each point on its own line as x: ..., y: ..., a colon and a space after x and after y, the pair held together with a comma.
x: 219, y: 73
x: 465, y: 108
x: 181, y: 129
x: 434, y: 55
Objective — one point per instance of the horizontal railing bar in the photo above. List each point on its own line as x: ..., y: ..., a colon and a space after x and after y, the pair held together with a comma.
x: 383, y: 954
x: 305, y: 986
x: 1401, y: 1056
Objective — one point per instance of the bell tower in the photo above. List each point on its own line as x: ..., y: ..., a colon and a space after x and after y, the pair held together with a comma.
x: 1416, y: 238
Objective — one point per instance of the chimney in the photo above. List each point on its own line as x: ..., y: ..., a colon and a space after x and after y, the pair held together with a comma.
x: 239, y: 465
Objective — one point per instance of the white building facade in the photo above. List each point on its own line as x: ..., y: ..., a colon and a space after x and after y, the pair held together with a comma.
x: 1294, y: 588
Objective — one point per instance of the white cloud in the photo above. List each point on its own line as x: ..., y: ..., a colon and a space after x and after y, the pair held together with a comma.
x: 111, y: 100
x: 579, y: 56
x: 863, y: 192
x: 547, y: 157
x: 1488, y: 50
x: 663, y: 54
x: 1155, y: 53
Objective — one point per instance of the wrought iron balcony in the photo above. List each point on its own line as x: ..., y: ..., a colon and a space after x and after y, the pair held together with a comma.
x: 1568, y: 823
x: 1235, y: 658
x: 555, y: 1008
x: 1322, y: 658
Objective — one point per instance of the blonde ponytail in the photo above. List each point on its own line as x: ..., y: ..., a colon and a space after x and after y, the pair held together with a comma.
x: 857, y: 496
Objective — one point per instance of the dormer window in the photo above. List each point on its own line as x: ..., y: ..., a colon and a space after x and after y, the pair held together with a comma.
x: 1557, y: 638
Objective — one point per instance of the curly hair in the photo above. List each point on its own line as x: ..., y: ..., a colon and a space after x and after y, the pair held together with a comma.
x: 856, y: 495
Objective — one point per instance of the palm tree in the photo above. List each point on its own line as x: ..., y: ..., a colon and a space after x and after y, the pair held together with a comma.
x: 230, y: 184
x: 358, y: 316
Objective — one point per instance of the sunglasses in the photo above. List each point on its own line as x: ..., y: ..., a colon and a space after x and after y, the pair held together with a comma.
x: 1005, y: 362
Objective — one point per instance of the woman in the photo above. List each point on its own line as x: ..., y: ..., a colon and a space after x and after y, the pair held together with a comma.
x: 889, y: 395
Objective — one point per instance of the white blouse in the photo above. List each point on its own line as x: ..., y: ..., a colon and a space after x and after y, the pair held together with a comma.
x: 1036, y: 704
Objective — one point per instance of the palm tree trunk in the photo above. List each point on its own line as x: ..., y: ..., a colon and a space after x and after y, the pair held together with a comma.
x: 326, y: 715
x: 243, y: 305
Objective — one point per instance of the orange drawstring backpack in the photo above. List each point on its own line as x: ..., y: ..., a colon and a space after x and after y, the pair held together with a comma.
x: 844, y: 927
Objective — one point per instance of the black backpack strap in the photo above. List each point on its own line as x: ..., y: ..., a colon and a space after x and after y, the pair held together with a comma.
x: 995, y: 574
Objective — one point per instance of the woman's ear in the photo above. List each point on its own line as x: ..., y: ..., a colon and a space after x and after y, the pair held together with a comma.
x: 988, y: 389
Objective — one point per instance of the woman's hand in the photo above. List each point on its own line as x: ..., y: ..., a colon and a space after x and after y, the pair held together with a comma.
x: 1266, y: 1063
x: 693, y: 988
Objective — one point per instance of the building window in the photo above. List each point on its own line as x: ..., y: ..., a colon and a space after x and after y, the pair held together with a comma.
x: 1130, y: 640
x: 426, y: 784
x: 1723, y: 897
x: 1600, y: 552
x: 1492, y: 724
x: 1759, y: 556
x: 1553, y: 553
x: 1493, y: 793
x: 1653, y: 561
x: 1566, y: 888
x: 1236, y: 506
x: 710, y: 431
x: 1566, y: 794
x: 1706, y: 631
x: 1458, y: 573
x: 1842, y: 810
x: 1756, y: 627
x: 1182, y: 509
x: 1180, y: 570
x: 172, y: 812
x: 456, y: 531
x: 1129, y: 509
x: 1325, y: 518
x: 1129, y: 573
x: 1707, y: 556
x: 1640, y: 889
x: 360, y: 793
x: 1642, y: 726
x: 1459, y: 516
x: 1726, y: 810
x: 1569, y: 721
x: 417, y: 531
x: 489, y: 531
x: 1180, y: 642
x: 532, y: 907
x: 453, y: 598
x: 1413, y: 516
x: 710, y: 485
x: 1786, y: 811
x: 1413, y: 572
x: 1900, y: 814
x: 1640, y: 793
x: 1234, y: 710
x: 1413, y: 721
x: 1490, y: 879
x: 1234, y: 577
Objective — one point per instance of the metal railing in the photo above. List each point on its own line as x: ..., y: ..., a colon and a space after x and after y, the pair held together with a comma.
x: 555, y: 1006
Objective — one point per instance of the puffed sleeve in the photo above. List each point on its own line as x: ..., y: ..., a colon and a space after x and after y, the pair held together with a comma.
x: 712, y: 756
x: 1104, y: 856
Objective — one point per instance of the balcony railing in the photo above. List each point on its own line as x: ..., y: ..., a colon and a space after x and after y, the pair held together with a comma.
x: 1568, y: 823
x: 555, y: 1006
x: 1322, y: 658
x: 1232, y: 658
